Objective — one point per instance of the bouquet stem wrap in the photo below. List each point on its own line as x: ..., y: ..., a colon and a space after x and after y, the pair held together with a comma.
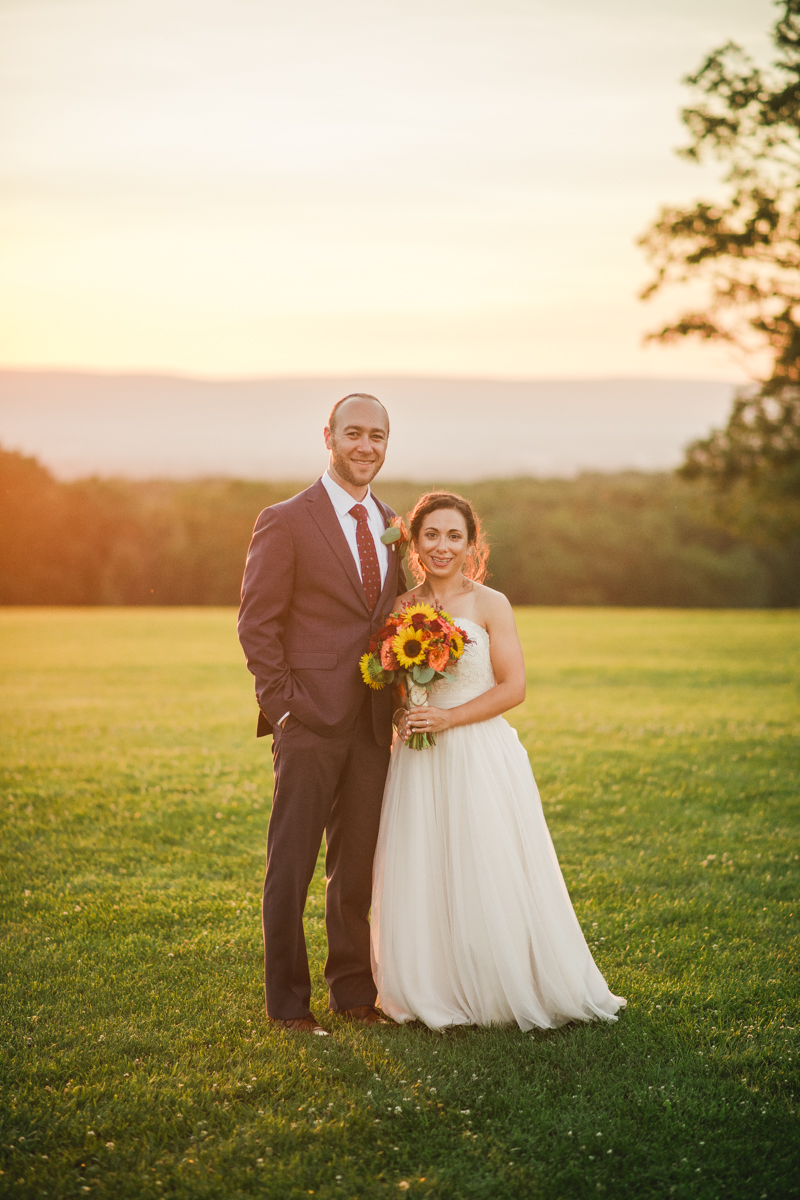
x: 418, y: 696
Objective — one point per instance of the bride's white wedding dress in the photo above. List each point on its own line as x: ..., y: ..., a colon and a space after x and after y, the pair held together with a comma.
x: 471, y: 920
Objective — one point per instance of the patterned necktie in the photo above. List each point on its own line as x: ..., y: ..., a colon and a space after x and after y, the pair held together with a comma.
x: 368, y: 556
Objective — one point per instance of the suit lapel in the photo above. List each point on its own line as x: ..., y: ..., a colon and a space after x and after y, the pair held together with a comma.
x: 325, y: 516
x: 391, y: 586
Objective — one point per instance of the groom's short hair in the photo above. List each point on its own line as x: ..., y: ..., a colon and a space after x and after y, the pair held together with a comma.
x: 353, y: 396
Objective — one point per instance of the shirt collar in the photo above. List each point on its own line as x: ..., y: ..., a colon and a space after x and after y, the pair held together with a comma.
x: 341, y: 500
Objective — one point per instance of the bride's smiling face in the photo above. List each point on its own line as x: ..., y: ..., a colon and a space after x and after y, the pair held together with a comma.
x: 443, y: 543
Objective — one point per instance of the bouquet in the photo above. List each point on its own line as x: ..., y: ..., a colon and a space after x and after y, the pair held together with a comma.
x: 414, y: 648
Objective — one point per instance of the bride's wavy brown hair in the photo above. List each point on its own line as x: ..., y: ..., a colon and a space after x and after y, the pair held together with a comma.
x: 478, y: 556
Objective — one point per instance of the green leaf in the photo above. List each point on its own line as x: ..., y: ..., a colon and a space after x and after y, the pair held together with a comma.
x: 392, y: 534
x: 424, y: 675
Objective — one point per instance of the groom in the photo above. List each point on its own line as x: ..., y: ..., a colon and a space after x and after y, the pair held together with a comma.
x: 318, y: 582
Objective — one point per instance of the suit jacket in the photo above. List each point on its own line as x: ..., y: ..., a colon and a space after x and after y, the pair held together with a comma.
x: 304, y: 620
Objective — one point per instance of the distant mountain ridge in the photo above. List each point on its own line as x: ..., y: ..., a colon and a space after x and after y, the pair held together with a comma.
x: 143, y: 425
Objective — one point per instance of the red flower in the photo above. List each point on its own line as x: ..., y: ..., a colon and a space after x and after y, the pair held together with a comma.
x: 388, y: 631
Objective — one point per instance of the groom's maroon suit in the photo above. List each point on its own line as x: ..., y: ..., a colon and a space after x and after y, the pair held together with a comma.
x: 304, y: 623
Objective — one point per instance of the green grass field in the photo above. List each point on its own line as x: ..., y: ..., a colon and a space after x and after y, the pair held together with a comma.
x: 136, y: 1058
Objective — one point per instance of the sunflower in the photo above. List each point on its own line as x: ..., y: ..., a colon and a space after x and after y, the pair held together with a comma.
x: 409, y: 646
x: 456, y: 644
x: 421, y: 607
x: 367, y: 664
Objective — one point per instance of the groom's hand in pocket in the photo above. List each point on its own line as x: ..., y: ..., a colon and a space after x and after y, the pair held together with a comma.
x: 282, y: 725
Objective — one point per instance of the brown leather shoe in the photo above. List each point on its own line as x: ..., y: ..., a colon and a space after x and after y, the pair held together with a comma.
x: 299, y: 1025
x: 365, y: 1014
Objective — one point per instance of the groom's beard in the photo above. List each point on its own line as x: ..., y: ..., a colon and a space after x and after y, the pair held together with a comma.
x: 345, y: 471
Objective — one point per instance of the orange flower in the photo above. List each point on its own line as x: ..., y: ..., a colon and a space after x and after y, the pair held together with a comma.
x: 438, y: 657
x: 399, y: 523
x: 388, y: 657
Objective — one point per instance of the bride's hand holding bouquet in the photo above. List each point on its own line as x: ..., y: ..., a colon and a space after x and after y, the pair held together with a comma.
x: 427, y: 720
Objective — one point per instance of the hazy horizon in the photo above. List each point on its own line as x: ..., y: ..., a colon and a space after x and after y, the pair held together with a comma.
x: 146, y: 425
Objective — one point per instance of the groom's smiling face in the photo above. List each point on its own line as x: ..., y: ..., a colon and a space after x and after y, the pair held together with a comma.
x: 357, y: 439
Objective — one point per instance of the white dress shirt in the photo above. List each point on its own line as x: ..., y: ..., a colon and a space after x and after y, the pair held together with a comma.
x: 342, y: 502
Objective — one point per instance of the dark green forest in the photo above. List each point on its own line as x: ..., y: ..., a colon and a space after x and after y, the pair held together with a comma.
x: 623, y: 539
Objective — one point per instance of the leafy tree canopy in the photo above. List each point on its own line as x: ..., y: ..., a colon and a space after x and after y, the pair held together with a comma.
x: 746, y: 251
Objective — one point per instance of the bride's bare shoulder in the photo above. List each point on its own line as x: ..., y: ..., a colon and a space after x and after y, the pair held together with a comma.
x: 491, y: 605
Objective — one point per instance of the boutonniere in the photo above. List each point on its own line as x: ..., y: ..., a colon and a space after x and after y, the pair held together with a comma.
x: 396, y: 536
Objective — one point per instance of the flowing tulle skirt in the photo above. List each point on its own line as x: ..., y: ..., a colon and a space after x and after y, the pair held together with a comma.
x: 471, y: 920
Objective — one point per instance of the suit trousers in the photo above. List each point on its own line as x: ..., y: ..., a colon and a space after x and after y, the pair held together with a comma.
x: 331, y: 785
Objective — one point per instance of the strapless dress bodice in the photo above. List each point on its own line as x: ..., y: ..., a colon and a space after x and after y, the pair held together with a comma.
x: 472, y: 674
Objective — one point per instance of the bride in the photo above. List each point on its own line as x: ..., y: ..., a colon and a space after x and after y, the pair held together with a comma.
x: 471, y: 920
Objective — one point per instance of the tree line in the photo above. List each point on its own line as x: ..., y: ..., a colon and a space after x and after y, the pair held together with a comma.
x: 620, y: 539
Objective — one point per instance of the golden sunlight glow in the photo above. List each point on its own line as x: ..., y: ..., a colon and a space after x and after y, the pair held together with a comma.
x: 230, y: 188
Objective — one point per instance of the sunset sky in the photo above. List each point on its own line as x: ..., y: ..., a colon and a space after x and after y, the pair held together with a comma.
x: 253, y: 187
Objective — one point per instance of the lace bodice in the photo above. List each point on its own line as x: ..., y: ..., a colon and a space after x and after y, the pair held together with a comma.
x: 473, y: 672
